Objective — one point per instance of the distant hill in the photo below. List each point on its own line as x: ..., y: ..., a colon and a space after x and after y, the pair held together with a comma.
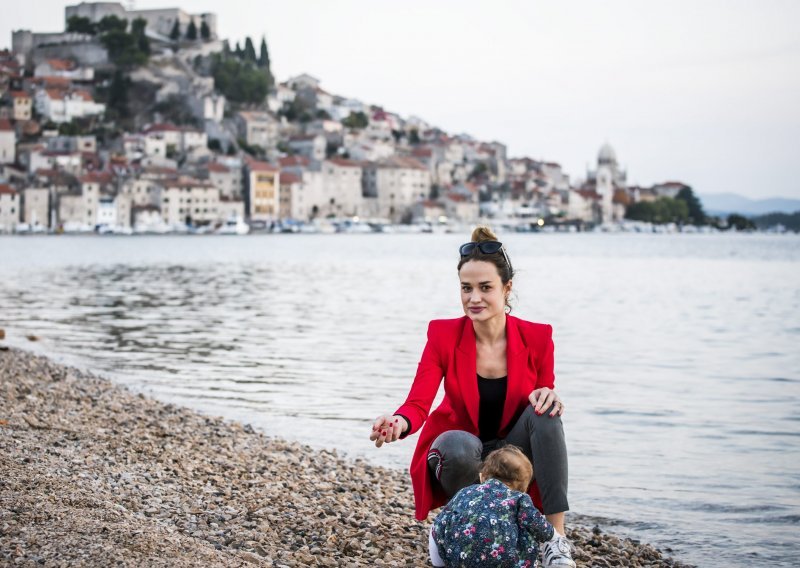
x: 726, y: 203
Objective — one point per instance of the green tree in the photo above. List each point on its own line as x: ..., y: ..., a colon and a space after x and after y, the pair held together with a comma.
x: 740, y: 222
x: 112, y: 24
x: 789, y: 220
x: 175, y: 34
x: 205, y: 31
x: 239, y: 52
x: 238, y: 80
x: 263, y: 55
x: 191, y: 31
x: 249, y: 50
x: 660, y: 211
x: 81, y: 25
x: 118, y: 94
x: 69, y: 129
x: 123, y: 48
x: 696, y: 213
x: 356, y: 120
x: 413, y: 137
x: 138, y: 31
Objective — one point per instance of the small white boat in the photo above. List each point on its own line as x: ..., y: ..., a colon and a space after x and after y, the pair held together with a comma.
x: 234, y: 226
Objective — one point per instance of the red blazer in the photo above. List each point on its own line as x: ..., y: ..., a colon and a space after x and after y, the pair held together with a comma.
x: 451, y: 353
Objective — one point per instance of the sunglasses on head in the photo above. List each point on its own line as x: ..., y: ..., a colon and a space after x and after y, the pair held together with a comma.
x: 486, y: 247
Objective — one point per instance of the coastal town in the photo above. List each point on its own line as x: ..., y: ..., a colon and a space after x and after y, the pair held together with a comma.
x: 145, y: 121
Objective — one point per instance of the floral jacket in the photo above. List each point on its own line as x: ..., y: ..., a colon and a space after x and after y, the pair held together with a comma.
x: 490, y: 525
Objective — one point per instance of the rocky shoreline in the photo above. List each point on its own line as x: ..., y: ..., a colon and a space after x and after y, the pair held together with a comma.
x: 92, y: 474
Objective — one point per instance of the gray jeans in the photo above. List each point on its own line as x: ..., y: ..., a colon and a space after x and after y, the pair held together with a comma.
x: 455, y: 457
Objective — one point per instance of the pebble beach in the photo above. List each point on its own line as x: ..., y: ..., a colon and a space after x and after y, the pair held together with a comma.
x: 93, y: 474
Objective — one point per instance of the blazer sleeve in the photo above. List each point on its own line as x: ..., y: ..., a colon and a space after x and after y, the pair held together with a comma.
x: 426, y: 384
x: 545, y: 360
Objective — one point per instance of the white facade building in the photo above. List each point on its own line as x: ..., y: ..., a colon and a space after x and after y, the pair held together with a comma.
x: 258, y: 128
x: 395, y: 185
x: 64, y: 106
x: 36, y: 206
x: 189, y: 201
x: 9, y: 209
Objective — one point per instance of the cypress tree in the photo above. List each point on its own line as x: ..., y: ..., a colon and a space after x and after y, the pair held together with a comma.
x: 175, y: 34
x: 191, y: 31
x: 205, y: 31
x: 263, y: 57
x: 249, y: 50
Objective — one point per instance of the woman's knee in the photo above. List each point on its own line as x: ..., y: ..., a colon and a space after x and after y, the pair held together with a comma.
x: 543, y: 422
x: 454, y: 459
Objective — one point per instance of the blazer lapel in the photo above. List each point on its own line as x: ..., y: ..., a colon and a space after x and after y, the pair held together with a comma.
x: 516, y: 359
x: 466, y: 371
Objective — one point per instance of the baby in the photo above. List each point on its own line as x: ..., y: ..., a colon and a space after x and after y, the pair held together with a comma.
x: 493, y: 523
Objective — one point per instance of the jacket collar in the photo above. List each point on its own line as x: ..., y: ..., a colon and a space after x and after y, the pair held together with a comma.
x: 466, y: 370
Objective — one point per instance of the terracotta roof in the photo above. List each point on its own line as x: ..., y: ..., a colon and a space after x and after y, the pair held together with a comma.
x: 19, y: 95
x: 289, y: 161
x: 7, y: 189
x: 588, y: 193
x: 290, y: 178
x: 422, y: 152
x: 402, y: 162
x: 160, y: 170
x: 431, y: 203
x: 187, y: 182
x: 52, y: 82
x: 344, y: 163
x: 458, y: 197
x: 256, y: 166
x: 61, y: 64
x: 218, y: 168
x: 671, y: 184
x: 96, y: 177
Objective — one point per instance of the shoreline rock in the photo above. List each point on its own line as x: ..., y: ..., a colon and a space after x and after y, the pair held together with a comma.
x: 93, y: 474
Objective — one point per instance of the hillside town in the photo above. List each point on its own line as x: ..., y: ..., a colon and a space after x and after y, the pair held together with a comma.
x: 146, y: 121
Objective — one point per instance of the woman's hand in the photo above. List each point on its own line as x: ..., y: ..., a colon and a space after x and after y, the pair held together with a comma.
x: 541, y: 399
x: 387, y: 429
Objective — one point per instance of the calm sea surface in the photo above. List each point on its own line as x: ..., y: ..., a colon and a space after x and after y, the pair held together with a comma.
x: 678, y: 356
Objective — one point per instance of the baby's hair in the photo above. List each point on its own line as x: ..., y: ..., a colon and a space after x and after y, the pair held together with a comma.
x: 509, y: 465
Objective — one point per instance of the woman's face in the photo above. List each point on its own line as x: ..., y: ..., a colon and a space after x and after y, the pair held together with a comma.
x: 483, y: 295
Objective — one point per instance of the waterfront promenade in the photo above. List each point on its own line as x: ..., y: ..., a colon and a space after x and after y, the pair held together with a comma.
x: 96, y: 475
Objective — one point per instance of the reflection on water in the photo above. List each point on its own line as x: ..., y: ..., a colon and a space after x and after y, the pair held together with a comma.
x: 677, y: 354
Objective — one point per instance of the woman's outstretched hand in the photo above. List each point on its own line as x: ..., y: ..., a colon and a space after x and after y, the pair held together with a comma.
x: 387, y: 429
x: 541, y: 399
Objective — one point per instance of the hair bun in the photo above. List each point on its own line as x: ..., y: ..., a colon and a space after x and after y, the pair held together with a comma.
x: 482, y: 233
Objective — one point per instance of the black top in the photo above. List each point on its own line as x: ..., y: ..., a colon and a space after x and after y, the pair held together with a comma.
x: 492, y: 394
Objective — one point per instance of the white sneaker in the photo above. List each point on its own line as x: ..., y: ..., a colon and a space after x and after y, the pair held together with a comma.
x: 557, y: 553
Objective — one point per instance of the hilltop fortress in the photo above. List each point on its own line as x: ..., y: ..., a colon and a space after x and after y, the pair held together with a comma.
x: 36, y: 47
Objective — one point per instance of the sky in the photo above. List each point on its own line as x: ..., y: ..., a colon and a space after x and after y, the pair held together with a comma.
x: 701, y: 92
